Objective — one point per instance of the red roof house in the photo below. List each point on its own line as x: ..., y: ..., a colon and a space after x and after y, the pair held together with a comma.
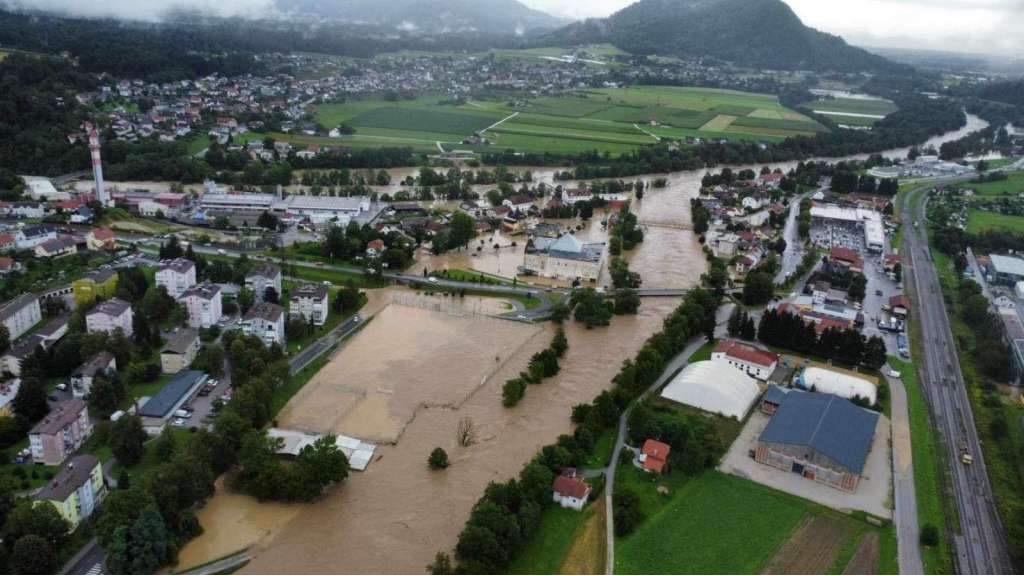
x: 654, y: 455
x: 569, y: 491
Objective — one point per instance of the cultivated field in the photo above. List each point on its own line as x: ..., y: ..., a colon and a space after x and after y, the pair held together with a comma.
x: 981, y: 221
x: 608, y: 120
x: 855, y: 111
x: 1013, y: 185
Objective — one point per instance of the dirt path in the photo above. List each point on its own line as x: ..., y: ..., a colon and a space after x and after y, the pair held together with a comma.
x: 865, y: 559
x: 812, y: 548
x: 588, y: 548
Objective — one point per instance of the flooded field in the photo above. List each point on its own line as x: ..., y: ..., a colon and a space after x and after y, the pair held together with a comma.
x: 407, y: 358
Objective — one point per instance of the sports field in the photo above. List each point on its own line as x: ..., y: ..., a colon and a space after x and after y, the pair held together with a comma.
x: 614, y: 120
x: 854, y: 111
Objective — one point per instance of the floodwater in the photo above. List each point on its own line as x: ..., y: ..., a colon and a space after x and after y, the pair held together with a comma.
x: 396, y: 515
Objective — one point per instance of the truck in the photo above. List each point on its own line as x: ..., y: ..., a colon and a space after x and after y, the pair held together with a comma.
x: 965, y: 455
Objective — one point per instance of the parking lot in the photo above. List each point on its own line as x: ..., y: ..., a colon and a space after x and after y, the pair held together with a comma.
x: 872, y: 493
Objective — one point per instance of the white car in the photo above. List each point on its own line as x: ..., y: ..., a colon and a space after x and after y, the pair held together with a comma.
x: 893, y: 373
x: 178, y: 423
x: 432, y: 280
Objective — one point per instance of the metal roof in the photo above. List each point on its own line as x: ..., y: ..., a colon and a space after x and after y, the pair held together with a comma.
x: 1007, y: 264
x: 160, y: 405
x: 831, y: 425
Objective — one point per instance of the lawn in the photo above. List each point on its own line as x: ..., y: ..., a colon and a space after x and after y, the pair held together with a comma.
x: 704, y: 352
x: 721, y: 524
x: 604, y: 445
x: 927, y: 470
x: 1013, y: 185
x: 150, y: 460
x: 549, y: 545
x: 24, y: 476
x: 980, y: 221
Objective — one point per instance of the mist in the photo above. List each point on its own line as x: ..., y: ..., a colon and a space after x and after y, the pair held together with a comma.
x: 150, y: 10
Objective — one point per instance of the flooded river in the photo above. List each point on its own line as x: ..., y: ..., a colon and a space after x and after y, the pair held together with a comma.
x: 413, y: 374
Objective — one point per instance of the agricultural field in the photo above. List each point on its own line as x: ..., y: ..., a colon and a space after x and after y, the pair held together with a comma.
x: 854, y: 111
x: 616, y: 120
x: 1013, y: 185
x: 567, y: 542
x: 721, y: 524
x: 981, y: 221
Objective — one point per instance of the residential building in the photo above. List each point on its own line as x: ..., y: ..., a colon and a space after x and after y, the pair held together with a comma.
x: 521, y: 203
x: 8, y: 265
x: 101, y: 239
x: 654, y: 456
x: 77, y: 490
x: 58, y: 247
x: 374, y: 248
x: 899, y: 305
x: 261, y: 277
x: 110, y: 315
x: 203, y: 302
x: 265, y: 320
x: 309, y: 302
x: 29, y: 237
x: 755, y: 362
x: 821, y: 437
x: 102, y: 364
x: 20, y: 315
x: 8, y: 390
x: 179, y: 352
x: 60, y: 433
x: 7, y: 242
x: 570, y: 491
x: 176, y: 276
x: 565, y: 258
x: 845, y: 259
x: 96, y: 284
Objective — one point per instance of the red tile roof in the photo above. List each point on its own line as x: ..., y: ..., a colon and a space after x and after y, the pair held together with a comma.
x: 377, y: 245
x: 6, y: 263
x: 656, y: 454
x: 844, y: 254
x: 103, y: 234
x: 746, y: 353
x: 570, y: 486
x: 900, y: 301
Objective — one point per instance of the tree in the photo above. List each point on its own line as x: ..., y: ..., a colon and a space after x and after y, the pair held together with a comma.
x: 270, y: 295
x: 347, y: 299
x: 929, y: 535
x: 626, y: 301
x: 321, y: 464
x: 513, y: 391
x: 858, y: 287
x: 126, y: 439
x: 438, y: 459
x: 627, y: 511
x: 591, y: 308
x: 560, y: 344
x: 462, y: 230
x: 33, y: 555
x: 246, y: 298
x: 39, y: 519
x: 874, y: 353
x: 758, y: 288
x: 121, y: 508
x: 30, y: 403
x: 165, y: 444
x: 5, y: 337
x: 268, y: 221
x: 143, y: 547
x: 442, y: 564
x: 106, y: 394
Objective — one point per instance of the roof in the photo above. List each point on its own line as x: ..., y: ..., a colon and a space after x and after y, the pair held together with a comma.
x: 566, y: 247
x: 179, y: 265
x: 571, y: 486
x: 59, y: 243
x: 160, y: 405
x: 746, y: 353
x: 62, y: 415
x: 112, y: 307
x: 103, y: 234
x: 206, y: 291
x: 839, y: 383
x: 831, y: 425
x: 181, y: 342
x: 713, y: 386
x: 98, y: 362
x: 266, y: 311
x: 100, y: 276
x: 315, y: 291
x: 6, y: 262
x: 11, y: 308
x: 75, y: 473
x: 268, y: 271
x: 775, y: 395
x: 1008, y: 265
x: 844, y: 253
x: 656, y: 454
x: 899, y: 300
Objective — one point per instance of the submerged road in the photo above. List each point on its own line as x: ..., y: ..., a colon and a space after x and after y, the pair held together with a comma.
x: 981, y: 546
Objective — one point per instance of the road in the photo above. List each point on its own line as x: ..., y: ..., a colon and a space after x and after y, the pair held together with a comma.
x: 794, y: 247
x: 981, y: 546
x: 314, y: 350
x: 904, y: 492
x: 88, y: 560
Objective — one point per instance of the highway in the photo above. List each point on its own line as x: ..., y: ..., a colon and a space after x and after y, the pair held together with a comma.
x: 980, y: 546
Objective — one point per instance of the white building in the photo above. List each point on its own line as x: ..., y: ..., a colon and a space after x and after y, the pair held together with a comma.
x: 204, y: 305
x: 265, y: 320
x: 110, y: 315
x: 839, y: 383
x: 261, y: 277
x: 571, y: 197
x: 20, y: 315
x: 29, y: 237
x: 714, y: 386
x: 102, y: 364
x: 565, y: 258
x: 176, y: 276
x: 309, y: 302
x: 40, y: 188
x: 179, y: 352
x: 568, y: 491
x: 753, y: 361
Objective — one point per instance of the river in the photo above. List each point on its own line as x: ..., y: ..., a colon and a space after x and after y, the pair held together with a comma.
x: 396, y: 515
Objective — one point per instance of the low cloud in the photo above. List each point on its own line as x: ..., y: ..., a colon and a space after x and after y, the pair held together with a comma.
x: 150, y: 10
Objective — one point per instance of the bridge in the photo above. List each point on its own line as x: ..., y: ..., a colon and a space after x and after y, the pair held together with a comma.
x: 666, y: 224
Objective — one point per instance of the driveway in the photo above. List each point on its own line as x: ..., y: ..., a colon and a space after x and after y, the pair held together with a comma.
x: 872, y: 495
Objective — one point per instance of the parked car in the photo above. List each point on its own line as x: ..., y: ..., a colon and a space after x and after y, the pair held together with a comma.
x: 178, y: 423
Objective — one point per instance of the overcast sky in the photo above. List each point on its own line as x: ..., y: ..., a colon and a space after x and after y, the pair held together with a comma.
x: 983, y: 26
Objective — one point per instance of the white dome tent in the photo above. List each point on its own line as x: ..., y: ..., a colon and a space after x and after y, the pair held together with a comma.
x: 714, y: 386
x: 838, y: 383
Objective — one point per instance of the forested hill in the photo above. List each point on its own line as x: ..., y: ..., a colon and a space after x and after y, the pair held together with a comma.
x: 756, y: 33
x: 1009, y: 92
x: 502, y: 16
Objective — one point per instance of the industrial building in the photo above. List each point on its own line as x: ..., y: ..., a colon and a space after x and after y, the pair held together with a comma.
x: 171, y: 397
x: 714, y: 386
x: 860, y: 219
x: 822, y: 437
x: 317, y: 209
x: 1006, y: 270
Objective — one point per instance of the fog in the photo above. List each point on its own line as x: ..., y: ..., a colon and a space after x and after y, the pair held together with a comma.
x: 150, y: 10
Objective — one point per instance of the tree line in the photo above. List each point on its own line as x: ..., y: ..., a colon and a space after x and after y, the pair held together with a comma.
x: 543, y: 364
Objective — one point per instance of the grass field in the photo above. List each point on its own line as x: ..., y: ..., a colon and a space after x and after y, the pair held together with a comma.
x: 1013, y: 185
x: 606, y: 120
x: 980, y: 221
x: 855, y: 111
x: 721, y: 524
x: 549, y: 546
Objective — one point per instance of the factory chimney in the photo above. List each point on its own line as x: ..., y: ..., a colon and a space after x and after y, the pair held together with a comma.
x: 97, y: 166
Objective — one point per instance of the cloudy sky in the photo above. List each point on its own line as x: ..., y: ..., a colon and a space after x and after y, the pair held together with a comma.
x: 982, y: 26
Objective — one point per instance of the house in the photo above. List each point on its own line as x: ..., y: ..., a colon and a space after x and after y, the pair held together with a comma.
x: 900, y: 306
x: 76, y: 490
x: 176, y: 276
x: 8, y: 391
x: 64, y: 245
x: 179, y: 352
x: 654, y: 456
x: 571, y: 197
x: 9, y: 265
x: 20, y: 315
x: 52, y: 331
x: 29, y: 237
x: 310, y: 303
x: 110, y: 315
x: 96, y: 284
x: 846, y: 259
x: 566, y: 258
x: 570, y: 491
x: 821, y: 437
x: 374, y: 248
x: 7, y: 242
x: 60, y: 433
x: 265, y: 320
x: 262, y: 277
x: 102, y: 364
x: 82, y: 215
x: 204, y: 305
x: 101, y: 239
x: 755, y: 362
x: 520, y: 203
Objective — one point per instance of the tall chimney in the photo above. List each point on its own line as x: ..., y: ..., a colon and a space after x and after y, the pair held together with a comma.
x: 97, y: 165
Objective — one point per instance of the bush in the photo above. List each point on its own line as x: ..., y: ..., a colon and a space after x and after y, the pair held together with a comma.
x: 438, y: 459
x: 929, y: 535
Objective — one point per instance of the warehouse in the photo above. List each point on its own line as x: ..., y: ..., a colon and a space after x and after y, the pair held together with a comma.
x: 714, y: 386
x: 822, y: 437
x: 841, y: 384
x: 171, y: 397
x: 1006, y: 269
